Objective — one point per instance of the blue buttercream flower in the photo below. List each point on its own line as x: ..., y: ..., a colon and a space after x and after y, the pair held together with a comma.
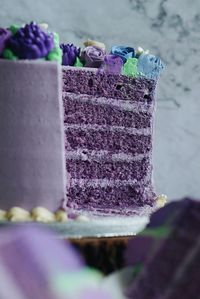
x: 150, y: 66
x: 123, y: 52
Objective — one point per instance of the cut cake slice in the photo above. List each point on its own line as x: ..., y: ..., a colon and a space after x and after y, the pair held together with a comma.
x: 108, y: 128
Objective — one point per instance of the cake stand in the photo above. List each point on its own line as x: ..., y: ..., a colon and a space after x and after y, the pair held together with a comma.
x: 99, y: 227
x: 101, y: 241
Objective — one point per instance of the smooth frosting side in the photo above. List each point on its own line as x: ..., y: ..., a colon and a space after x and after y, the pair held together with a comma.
x: 32, y: 163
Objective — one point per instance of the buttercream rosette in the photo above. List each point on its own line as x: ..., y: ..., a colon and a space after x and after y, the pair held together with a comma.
x: 35, y: 41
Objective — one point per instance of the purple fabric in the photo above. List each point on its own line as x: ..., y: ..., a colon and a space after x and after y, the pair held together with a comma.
x: 166, y: 261
x: 138, y: 250
x: 34, y: 256
x: 169, y: 214
x: 188, y: 286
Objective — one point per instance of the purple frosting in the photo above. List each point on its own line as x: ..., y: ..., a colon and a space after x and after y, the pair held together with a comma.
x: 70, y: 52
x: 93, y: 56
x: 112, y: 64
x: 31, y: 42
x: 4, y: 36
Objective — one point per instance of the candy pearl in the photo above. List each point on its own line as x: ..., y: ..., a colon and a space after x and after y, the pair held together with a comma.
x: 3, y: 215
x: 44, y: 26
x: 41, y: 214
x: 161, y: 201
x: 17, y: 214
x: 61, y: 216
x: 94, y: 43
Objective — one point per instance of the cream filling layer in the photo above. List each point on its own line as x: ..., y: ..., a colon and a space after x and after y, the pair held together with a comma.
x: 120, y: 104
x: 92, y: 127
x: 103, y: 155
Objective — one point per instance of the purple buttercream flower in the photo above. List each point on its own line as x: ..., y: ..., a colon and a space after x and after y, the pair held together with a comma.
x: 4, y: 36
x: 93, y: 56
x: 31, y: 42
x: 70, y: 52
x: 123, y: 52
x: 112, y: 64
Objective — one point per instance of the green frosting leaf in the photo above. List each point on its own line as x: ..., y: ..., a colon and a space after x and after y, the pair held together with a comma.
x: 56, y: 40
x: 158, y: 232
x: 55, y: 55
x: 130, y: 67
x: 14, y: 28
x: 78, y: 63
x: 8, y: 54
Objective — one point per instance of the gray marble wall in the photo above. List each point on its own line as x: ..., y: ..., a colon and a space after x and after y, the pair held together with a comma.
x: 169, y: 28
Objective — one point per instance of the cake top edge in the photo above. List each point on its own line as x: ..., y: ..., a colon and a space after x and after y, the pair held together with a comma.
x: 34, y: 41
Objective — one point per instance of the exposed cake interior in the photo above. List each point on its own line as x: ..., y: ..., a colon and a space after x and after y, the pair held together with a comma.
x: 108, y: 128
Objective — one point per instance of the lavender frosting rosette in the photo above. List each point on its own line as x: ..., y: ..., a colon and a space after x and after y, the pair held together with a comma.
x: 31, y: 42
x: 4, y: 36
x: 93, y: 56
x: 112, y: 64
x: 69, y: 54
x: 123, y: 52
x: 150, y: 66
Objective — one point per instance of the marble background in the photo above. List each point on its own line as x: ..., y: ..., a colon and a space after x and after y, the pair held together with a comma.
x: 168, y: 28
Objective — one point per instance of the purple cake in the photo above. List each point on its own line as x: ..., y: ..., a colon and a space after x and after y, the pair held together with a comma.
x: 98, y: 160
x: 32, y: 160
x: 108, y: 127
x: 166, y: 256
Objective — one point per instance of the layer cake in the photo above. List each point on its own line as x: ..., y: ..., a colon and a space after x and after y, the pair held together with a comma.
x: 95, y: 157
x: 108, y: 127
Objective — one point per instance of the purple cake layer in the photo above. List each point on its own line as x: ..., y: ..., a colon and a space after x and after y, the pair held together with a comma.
x: 170, y: 267
x: 108, y: 129
x: 91, y: 82
x: 32, y: 162
x: 119, y: 170
x: 78, y: 112
x: 114, y: 142
x: 110, y: 199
